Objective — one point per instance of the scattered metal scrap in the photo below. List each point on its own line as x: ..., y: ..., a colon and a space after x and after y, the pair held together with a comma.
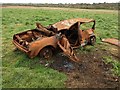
x: 112, y: 41
x: 64, y: 35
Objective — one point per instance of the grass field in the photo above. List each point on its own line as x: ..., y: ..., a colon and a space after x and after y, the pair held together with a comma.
x: 18, y: 69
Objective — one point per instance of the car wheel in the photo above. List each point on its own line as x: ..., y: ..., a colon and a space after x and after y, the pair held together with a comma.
x: 92, y: 40
x: 46, y: 53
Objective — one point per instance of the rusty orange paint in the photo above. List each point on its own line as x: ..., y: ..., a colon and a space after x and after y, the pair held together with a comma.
x: 112, y: 41
x: 65, y: 34
x: 66, y: 24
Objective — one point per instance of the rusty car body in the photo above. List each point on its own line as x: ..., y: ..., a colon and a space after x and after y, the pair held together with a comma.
x: 65, y: 35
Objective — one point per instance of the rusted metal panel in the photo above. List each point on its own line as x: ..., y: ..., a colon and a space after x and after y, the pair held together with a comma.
x: 67, y: 49
x: 112, y: 41
x: 44, y: 40
x: 43, y: 29
x: 66, y: 24
x: 37, y: 46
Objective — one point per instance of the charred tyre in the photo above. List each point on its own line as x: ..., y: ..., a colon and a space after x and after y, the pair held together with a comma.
x: 92, y: 40
x: 46, y: 53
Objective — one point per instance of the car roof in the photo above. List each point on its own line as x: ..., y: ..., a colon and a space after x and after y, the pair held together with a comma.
x: 66, y: 24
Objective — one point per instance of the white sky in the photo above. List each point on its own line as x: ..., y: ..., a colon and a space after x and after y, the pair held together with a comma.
x: 57, y: 1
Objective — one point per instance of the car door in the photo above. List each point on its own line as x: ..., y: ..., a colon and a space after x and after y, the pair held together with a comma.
x: 67, y: 49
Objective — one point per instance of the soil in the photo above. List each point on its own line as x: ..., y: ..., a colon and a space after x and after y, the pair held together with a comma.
x: 90, y: 72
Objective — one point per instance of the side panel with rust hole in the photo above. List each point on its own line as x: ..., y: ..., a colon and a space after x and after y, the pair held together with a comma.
x: 36, y: 46
x: 85, y: 35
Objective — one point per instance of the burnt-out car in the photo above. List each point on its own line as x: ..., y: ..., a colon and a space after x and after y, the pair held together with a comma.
x: 65, y: 35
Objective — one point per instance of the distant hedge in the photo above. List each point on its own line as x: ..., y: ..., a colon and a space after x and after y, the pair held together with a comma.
x: 110, y: 6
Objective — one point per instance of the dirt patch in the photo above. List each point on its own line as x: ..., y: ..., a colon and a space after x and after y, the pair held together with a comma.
x: 90, y: 72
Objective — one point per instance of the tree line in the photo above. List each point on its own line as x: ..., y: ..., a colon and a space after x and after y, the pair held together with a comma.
x: 110, y: 6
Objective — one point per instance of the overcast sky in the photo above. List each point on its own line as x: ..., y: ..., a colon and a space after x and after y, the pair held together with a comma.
x: 57, y: 1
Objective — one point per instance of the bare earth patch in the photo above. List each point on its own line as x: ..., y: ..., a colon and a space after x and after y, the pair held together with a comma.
x: 90, y: 72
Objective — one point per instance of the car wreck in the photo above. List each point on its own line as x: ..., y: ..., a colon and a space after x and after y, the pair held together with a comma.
x: 65, y: 35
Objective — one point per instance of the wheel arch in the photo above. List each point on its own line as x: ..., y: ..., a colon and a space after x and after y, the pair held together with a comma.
x: 92, y: 35
x: 37, y: 46
x: 48, y: 46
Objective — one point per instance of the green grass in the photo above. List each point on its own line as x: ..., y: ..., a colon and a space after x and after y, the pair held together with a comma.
x: 26, y: 78
x: 18, y: 69
x: 115, y: 64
